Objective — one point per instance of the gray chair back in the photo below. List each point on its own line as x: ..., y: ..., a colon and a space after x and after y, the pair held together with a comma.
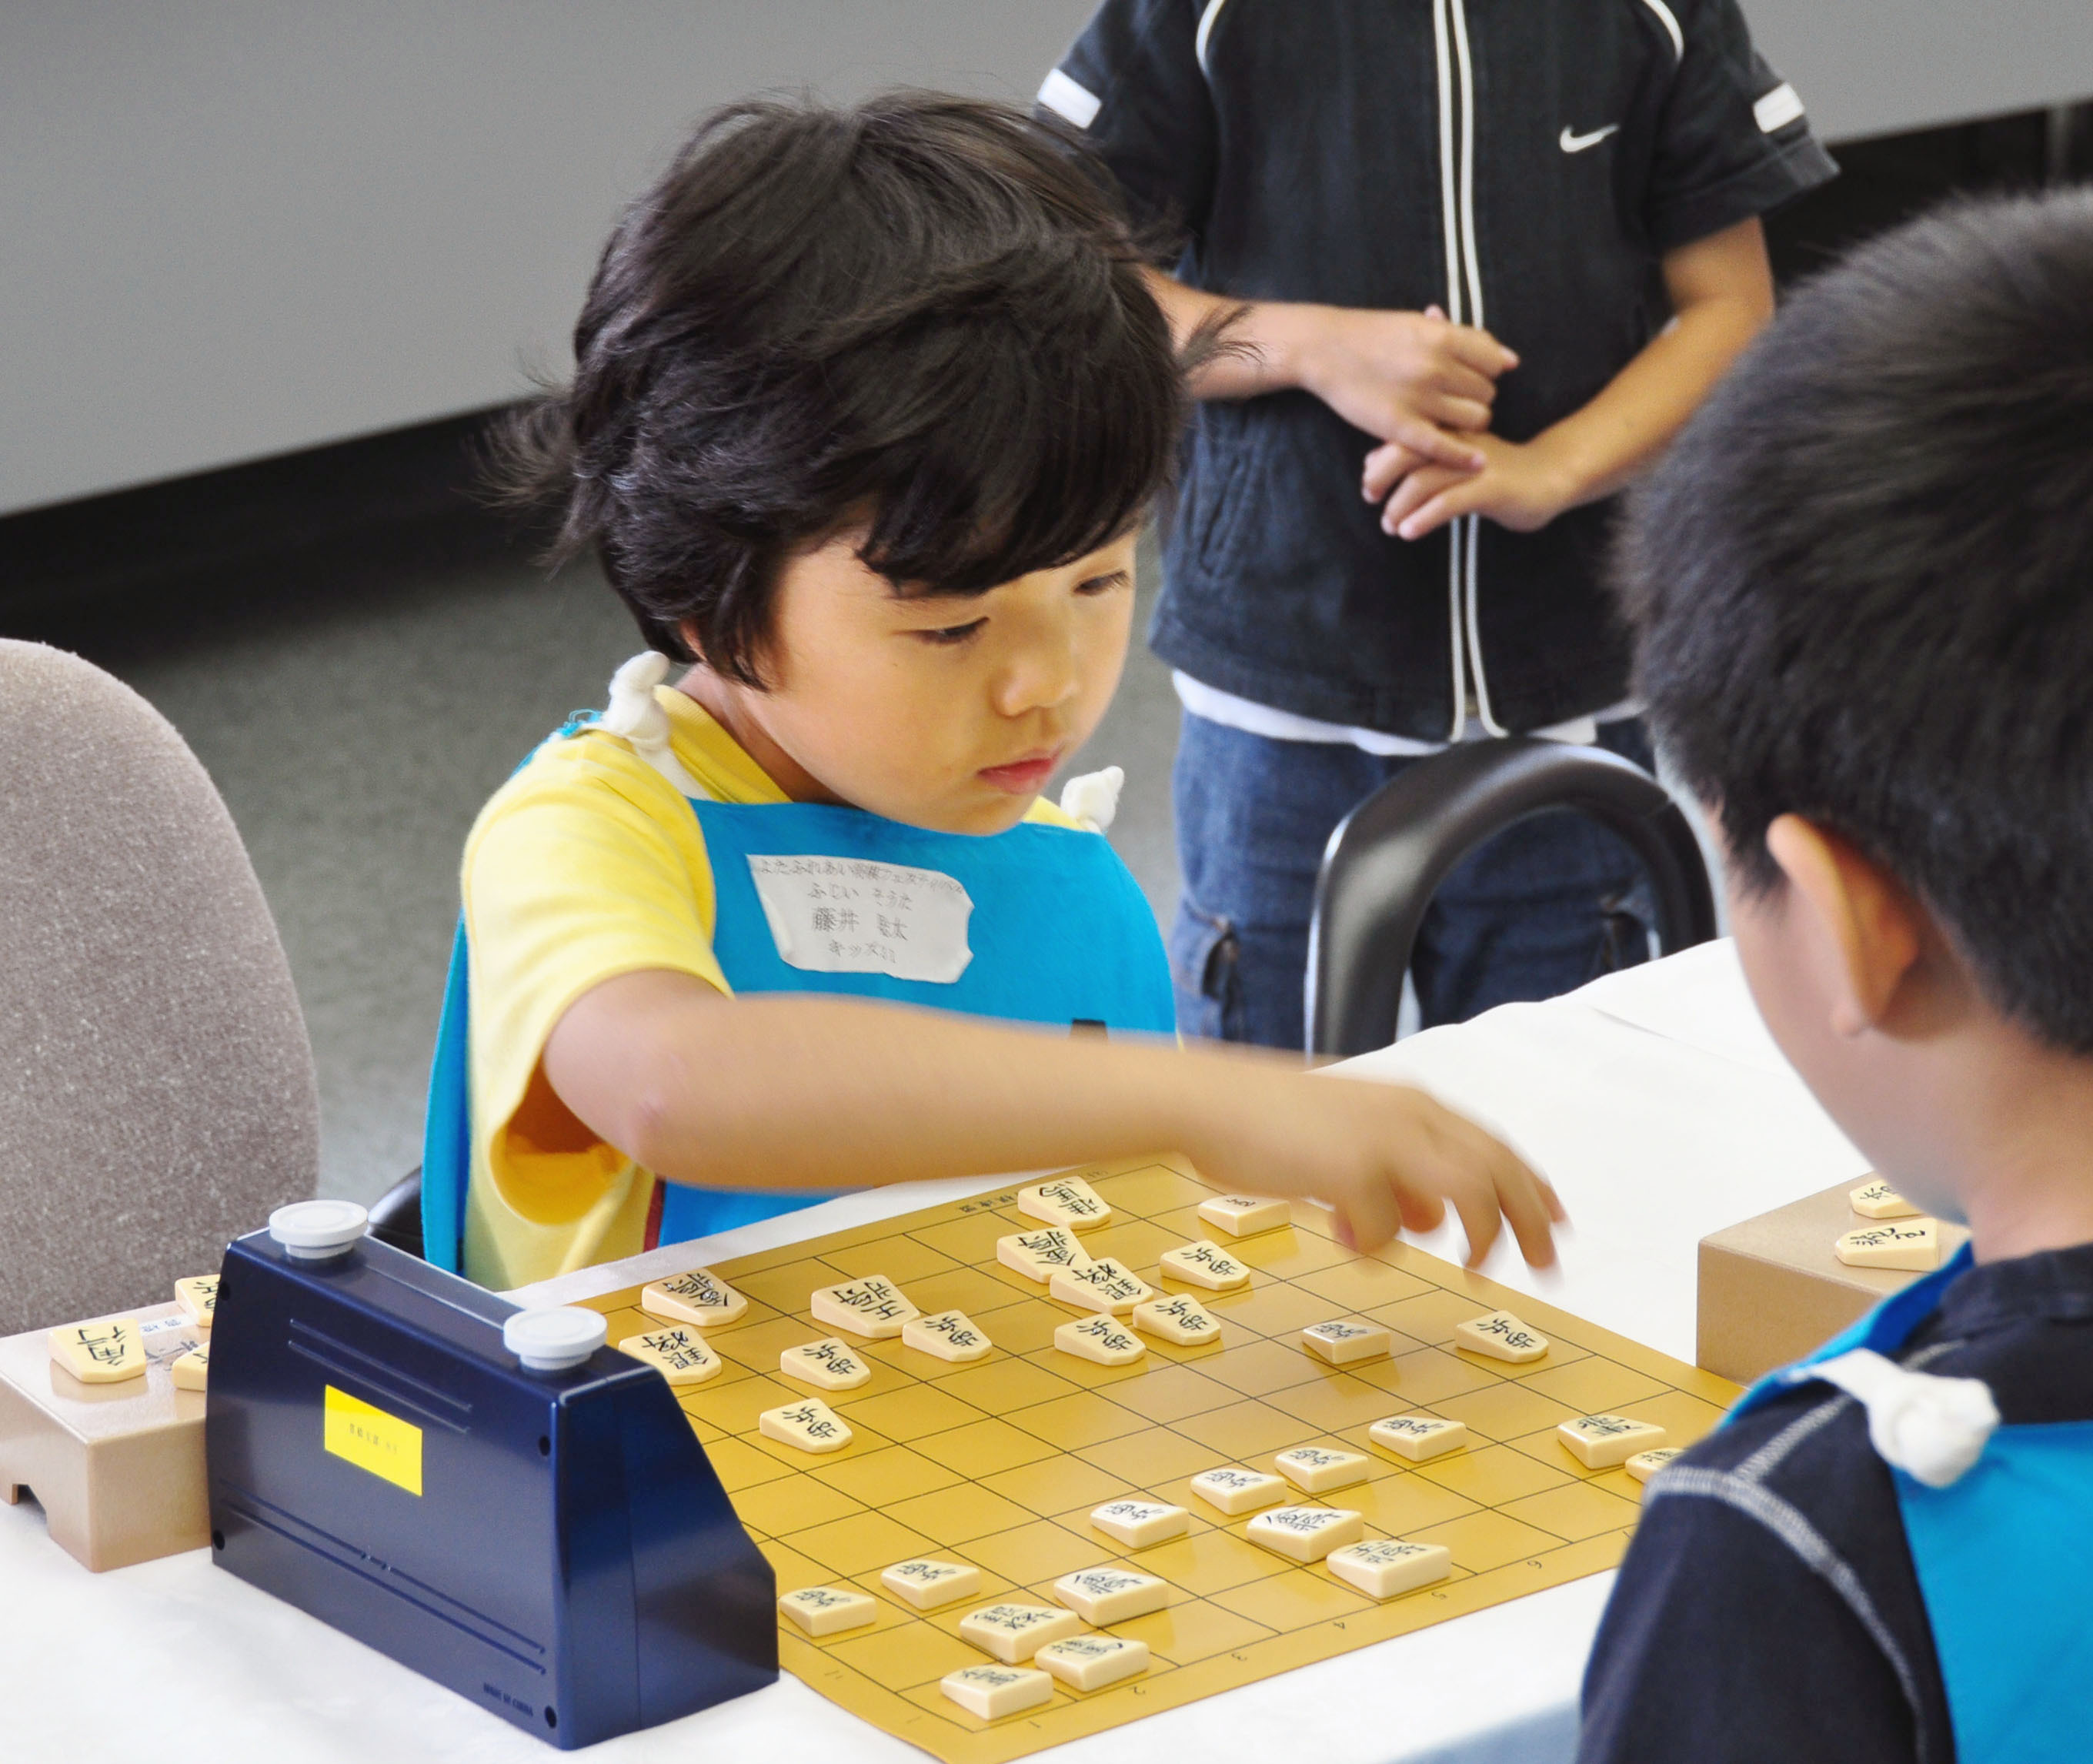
x: 157, y: 1096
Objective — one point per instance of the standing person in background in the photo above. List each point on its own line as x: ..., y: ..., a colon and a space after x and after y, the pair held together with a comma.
x: 1457, y: 228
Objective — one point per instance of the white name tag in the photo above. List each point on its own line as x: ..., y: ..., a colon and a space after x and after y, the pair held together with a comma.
x: 851, y: 915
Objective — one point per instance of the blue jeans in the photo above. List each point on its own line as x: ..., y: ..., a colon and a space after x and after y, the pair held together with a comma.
x: 1539, y: 910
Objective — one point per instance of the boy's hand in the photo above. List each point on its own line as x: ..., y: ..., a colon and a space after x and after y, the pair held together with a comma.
x: 1412, y: 379
x: 1517, y: 485
x: 1387, y: 1158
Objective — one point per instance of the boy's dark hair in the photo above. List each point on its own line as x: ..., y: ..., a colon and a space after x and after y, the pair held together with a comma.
x: 922, y: 312
x: 1863, y: 584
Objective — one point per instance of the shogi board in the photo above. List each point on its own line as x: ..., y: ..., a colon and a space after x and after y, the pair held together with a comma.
x: 999, y: 1463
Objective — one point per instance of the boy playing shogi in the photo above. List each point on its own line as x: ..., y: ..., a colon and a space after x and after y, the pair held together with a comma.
x: 1863, y: 586
x: 868, y: 408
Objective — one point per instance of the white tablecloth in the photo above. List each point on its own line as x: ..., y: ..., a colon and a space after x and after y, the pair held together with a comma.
x: 1653, y: 1100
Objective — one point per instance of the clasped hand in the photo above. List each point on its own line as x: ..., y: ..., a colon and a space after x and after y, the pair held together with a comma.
x: 1426, y: 386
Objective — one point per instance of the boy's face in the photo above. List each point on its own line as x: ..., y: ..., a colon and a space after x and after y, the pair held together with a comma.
x: 943, y: 711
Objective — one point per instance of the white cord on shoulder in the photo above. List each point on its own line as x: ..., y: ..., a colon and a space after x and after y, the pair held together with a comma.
x: 1933, y: 1428
x: 1093, y: 799
x: 634, y: 715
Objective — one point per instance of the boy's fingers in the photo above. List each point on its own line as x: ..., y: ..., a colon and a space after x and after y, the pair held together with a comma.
x: 1421, y: 1211
x: 1456, y: 380
x: 1478, y: 1219
x: 1386, y: 466
x: 1415, y: 490
x: 1431, y: 443
x: 1529, y: 1212
x: 1528, y: 1202
x: 1373, y: 1213
x: 1433, y: 511
x: 1451, y: 411
x: 1480, y: 350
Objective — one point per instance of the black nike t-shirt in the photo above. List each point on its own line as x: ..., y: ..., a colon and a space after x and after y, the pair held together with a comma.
x: 1524, y: 164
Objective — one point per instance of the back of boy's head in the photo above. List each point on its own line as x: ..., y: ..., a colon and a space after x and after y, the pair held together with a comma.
x: 922, y: 313
x: 1862, y: 585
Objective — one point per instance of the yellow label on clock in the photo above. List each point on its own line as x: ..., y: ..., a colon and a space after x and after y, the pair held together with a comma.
x: 374, y: 1441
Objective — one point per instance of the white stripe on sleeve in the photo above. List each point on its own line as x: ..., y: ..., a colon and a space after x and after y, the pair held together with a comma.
x: 1778, y: 108
x: 1065, y: 98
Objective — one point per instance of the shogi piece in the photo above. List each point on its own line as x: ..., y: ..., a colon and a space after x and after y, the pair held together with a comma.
x: 1644, y: 1465
x: 1139, y: 1524
x: 1067, y: 1200
x: 1307, y: 1533
x: 1345, y: 1343
x: 1179, y: 1318
x: 1501, y: 1335
x: 1381, y: 1567
x: 1204, y: 1263
x: 191, y: 1371
x: 1879, y: 1200
x: 197, y: 1295
x: 1316, y: 1469
x: 680, y: 1356
x: 1091, y: 1663
x: 822, y: 1611
x: 812, y: 1426
x: 1907, y: 1243
x: 1015, y: 1633
x: 1245, y: 1215
x: 1419, y: 1437
x: 831, y: 1364
x: 1104, y: 1339
x: 1105, y: 1285
x: 928, y: 1585
x: 874, y: 1307
x: 1039, y: 1255
x: 693, y: 1298
x: 1600, y: 1442
x: 993, y: 1692
x: 100, y: 1353
x: 1237, y: 1491
x: 1103, y: 1596
x: 950, y: 1335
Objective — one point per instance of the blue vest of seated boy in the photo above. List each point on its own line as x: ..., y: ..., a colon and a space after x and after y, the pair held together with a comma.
x: 1999, y: 1520
x: 1040, y: 923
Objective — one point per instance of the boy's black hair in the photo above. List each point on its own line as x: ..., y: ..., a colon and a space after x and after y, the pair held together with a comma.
x: 1862, y: 584
x: 922, y: 312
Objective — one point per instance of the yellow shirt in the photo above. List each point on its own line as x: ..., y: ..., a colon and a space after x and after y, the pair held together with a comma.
x: 587, y: 864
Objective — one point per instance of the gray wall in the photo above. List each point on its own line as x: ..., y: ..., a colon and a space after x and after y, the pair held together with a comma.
x: 231, y: 229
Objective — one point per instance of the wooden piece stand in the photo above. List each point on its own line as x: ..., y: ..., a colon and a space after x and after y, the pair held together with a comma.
x: 117, y: 1469
x: 1771, y: 1290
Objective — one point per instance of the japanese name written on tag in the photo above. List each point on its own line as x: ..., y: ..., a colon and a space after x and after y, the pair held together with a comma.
x: 853, y: 916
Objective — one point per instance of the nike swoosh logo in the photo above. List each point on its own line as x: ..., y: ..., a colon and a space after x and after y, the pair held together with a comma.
x: 1572, y: 142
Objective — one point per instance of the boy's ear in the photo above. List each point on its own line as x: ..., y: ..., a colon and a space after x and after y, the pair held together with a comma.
x: 1863, y: 917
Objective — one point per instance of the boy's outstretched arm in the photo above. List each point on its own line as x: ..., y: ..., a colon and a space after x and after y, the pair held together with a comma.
x: 1412, y: 379
x: 795, y: 1092
x: 1721, y: 295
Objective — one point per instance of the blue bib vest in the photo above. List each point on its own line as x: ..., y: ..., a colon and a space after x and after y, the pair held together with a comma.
x: 1055, y: 931
x: 2004, y: 1555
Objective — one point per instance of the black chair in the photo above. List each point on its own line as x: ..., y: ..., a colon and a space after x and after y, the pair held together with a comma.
x: 395, y: 1215
x: 1390, y: 854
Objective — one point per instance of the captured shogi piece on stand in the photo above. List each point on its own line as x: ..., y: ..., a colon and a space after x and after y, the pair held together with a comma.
x: 1261, y: 1505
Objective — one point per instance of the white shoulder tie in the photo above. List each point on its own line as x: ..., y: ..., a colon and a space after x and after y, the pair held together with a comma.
x: 635, y: 715
x: 1933, y: 1428
x: 1092, y: 799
